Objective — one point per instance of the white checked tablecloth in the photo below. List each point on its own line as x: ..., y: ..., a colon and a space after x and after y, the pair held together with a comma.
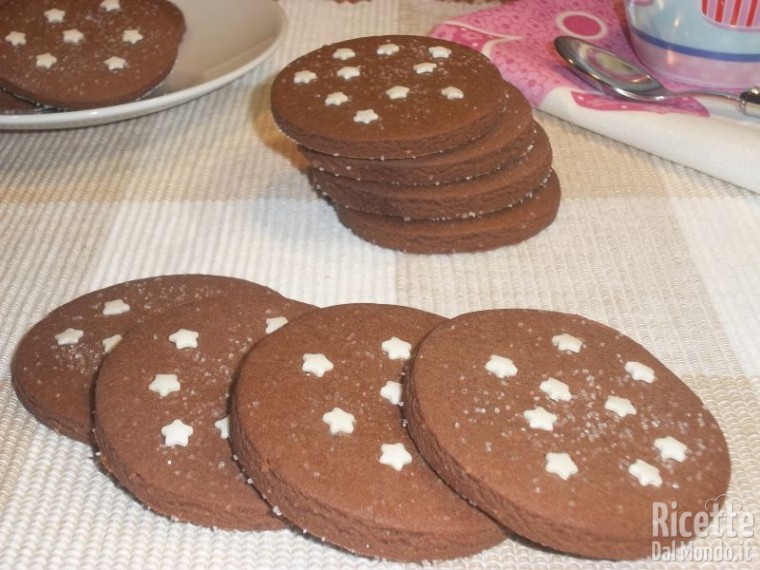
x: 666, y: 254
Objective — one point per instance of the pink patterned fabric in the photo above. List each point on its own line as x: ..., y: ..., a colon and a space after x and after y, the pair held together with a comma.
x: 518, y: 37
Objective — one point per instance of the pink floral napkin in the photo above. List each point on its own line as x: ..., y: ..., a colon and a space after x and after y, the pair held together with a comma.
x: 710, y: 136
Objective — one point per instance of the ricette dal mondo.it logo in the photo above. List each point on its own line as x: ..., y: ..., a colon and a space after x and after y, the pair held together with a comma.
x: 730, y: 524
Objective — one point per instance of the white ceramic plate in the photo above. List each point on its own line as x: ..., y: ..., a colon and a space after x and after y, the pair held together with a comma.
x: 224, y: 40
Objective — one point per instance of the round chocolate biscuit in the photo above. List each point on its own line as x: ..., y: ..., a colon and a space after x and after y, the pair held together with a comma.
x: 316, y: 422
x: 54, y: 367
x: 388, y: 97
x: 566, y: 431
x: 162, y: 409
x: 505, y: 142
x: 79, y: 54
x: 468, y: 198
x: 503, y: 227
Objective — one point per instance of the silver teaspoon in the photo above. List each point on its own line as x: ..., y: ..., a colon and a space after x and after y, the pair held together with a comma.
x: 623, y: 79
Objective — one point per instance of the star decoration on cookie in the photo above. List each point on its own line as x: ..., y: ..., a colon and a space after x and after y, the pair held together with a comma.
x: 670, y: 448
x: 115, y: 63
x: 452, y: 92
x: 54, y: 15
x: 395, y: 455
x: 387, y: 49
x: 184, y: 338
x: 366, y: 116
x: 425, y: 67
x: 339, y: 421
x: 439, y: 52
x: 348, y: 72
x: 110, y: 343
x: 274, y: 323
x: 16, y: 38
x: 72, y: 36
x: 561, y: 464
x: 337, y: 98
x: 131, y: 36
x: 501, y: 366
x: 397, y: 349
x: 69, y: 336
x: 540, y: 418
x: 639, y: 371
x: 344, y: 54
x: 645, y: 473
x: 621, y: 406
x: 223, y: 426
x: 304, y: 76
x: 556, y: 390
x: 110, y: 5
x: 567, y: 343
x: 317, y: 364
x: 397, y: 92
x: 164, y: 384
x: 391, y: 391
x: 46, y: 60
x: 115, y: 307
x: 176, y: 433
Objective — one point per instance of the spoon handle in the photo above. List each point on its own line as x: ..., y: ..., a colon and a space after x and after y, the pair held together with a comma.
x: 749, y: 102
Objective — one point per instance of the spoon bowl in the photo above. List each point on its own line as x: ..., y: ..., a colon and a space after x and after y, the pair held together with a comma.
x: 624, y: 79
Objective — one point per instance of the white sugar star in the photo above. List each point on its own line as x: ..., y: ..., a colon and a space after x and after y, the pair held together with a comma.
x: 556, y: 390
x: 131, y: 36
x: 387, y: 49
x: 184, y: 338
x: 176, y: 433
x: 46, y: 60
x: 54, y: 15
x: 426, y: 67
x: 336, y: 99
x: 115, y: 307
x: 646, y: 474
x: 397, y: 92
x: 539, y: 418
x: 395, y: 455
x: 69, y: 336
x: 452, y: 92
x: 72, y: 36
x: 343, y: 53
x: 110, y: 343
x: 621, y: 406
x: 391, y: 392
x: 639, y: 371
x: 16, y: 38
x: 339, y: 421
x: 223, y: 426
x: 316, y: 364
x: 397, y: 349
x: 304, y: 76
x: 275, y: 323
x: 365, y: 116
x: 567, y: 343
x: 114, y: 63
x: 439, y: 52
x: 500, y: 366
x: 670, y: 448
x: 110, y: 5
x: 348, y: 72
x: 561, y: 464
x: 164, y: 384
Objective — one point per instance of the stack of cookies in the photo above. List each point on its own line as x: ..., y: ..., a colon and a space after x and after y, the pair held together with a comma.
x: 419, y: 143
x: 80, y: 54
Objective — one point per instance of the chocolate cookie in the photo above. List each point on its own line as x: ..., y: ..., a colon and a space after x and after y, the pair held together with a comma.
x: 55, y: 364
x: 505, y: 142
x: 161, y: 409
x: 316, y: 422
x: 565, y: 430
x: 79, y: 54
x: 466, y: 198
x: 503, y: 227
x: 387, y: 97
